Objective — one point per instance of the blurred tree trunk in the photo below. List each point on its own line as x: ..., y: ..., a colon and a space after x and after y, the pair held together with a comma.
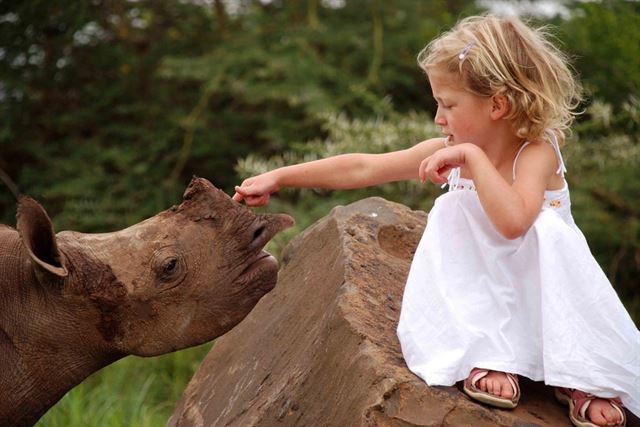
x: 6, y: 179
x: 373, y: 77
x: 221, y: 18
x: 312, y: 14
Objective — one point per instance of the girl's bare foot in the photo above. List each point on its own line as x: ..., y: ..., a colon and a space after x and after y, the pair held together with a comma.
x: 494, y: 388
x: 496, y: 383
x: 590, y: 411
x: 601, y: 413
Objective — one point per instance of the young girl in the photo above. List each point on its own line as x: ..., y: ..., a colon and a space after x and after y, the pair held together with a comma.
x: 501, y: 263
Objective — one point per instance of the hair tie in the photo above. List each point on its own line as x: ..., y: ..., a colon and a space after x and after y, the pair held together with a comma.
x: 465, y: 50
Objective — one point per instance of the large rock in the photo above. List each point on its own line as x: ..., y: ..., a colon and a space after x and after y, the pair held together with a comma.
x: 321, y: 349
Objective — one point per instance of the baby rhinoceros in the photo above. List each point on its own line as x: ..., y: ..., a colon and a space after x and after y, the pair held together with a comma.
x: 72, y: 303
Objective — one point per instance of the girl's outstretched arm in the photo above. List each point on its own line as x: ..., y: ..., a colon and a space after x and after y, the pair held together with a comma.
x: 345, y: 171
x: 512, y: 208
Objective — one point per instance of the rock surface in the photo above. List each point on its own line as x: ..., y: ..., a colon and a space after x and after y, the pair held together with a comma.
x: 321, y: 349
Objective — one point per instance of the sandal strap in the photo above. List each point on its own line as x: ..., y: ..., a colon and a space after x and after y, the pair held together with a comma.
x: 476, y: 375
x: 513, y: 380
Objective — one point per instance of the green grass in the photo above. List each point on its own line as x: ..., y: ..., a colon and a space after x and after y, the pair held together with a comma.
x: 135, y: 392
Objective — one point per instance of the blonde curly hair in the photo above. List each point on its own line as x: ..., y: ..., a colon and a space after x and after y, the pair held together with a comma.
x: 502, y: 55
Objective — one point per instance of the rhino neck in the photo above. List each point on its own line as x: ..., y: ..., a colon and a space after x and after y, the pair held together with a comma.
x: 43, y: 349
x: 38, y: 381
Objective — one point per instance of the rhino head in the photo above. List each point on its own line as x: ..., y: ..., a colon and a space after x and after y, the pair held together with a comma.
x: 73, y: 302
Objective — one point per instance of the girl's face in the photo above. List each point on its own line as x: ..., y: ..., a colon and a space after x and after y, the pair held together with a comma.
x: 463, y: 116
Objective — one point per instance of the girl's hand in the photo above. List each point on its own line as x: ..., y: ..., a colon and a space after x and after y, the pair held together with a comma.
x: 437, y: 166
x: 255, y: 191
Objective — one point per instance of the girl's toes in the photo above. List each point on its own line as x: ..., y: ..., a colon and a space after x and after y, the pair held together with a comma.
x: 507, y: 390
x: 596, y: 416
x: 602, y: 413
x: 612, y: 416
x: 491, y: 387
x: 504, y: 385
x: 498, y: 389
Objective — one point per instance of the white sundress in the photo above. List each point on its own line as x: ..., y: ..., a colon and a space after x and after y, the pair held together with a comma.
x: 538, y: 305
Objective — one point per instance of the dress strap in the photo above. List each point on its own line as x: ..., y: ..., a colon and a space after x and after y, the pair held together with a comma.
x: 453, y: 179
x: 556, y: 147
x: 454, y: 176
x: 516, y: 158
x: 554, y: 143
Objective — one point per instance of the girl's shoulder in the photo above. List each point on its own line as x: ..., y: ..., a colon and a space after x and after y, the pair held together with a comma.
x: 540, y: 158
x: 539, y: 148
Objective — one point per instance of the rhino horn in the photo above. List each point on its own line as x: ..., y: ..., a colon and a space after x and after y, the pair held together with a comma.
x: 36, y: 230
x: 198, y: 187
x: 202, y: 199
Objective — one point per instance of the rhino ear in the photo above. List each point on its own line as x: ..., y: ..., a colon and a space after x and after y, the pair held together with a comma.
x: 36, y: 231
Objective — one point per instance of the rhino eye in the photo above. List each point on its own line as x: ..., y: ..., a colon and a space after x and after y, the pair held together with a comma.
x: 169, y: 268
x: 170, y: 264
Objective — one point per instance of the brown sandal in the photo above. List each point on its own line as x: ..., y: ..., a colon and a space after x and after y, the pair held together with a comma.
x: 579, y: 402
x: 490, y: 399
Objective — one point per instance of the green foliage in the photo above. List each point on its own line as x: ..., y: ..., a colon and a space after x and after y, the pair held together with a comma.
x: 393, y: 131
x: 82, y: 125
x: 605, y: 177
x: 604, y: 38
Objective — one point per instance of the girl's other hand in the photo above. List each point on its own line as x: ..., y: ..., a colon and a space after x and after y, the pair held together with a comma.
x: 256, y: 191
x: 437, y: 166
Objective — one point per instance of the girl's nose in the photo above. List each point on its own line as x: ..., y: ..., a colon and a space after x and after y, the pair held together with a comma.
x: 439, y: 120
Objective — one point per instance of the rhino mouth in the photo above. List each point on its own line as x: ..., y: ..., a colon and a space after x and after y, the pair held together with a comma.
x: 262, y: 270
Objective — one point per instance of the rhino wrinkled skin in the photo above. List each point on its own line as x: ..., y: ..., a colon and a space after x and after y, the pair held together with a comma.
x: 72, y: 303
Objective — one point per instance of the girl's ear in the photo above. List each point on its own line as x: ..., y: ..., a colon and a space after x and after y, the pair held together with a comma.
x: 499, y: 106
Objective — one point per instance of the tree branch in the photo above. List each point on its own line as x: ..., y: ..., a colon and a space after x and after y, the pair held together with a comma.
x: 9, y: 183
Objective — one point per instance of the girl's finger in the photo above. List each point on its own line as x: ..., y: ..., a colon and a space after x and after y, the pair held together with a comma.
x: 433, y: 176
x: 443, y: 172
x: 439, y: 175
x: 252, y: 201
x: 246, y: 190
x: 422, y: 169
x: 257, y: 200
